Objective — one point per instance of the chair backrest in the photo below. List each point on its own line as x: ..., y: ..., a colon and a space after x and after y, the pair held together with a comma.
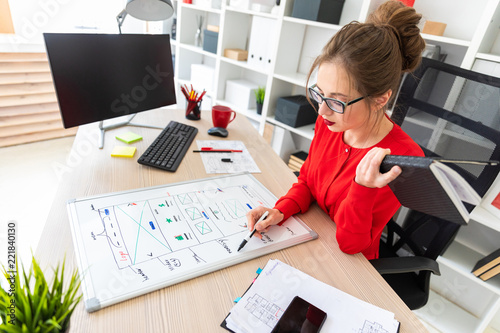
x: 453, y: 113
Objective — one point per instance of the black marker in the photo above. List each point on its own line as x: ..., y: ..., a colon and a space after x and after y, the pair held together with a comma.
x: 250, y: 234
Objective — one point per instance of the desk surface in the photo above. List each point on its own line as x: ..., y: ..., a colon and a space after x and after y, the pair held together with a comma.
x: 200, y: 304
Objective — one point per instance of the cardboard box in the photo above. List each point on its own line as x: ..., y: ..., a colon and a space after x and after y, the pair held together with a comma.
x: 295, y: 111
x: 236, y: 54
x: 202, y: 77
x: 241, y: 94
x: 434, y: 28
x: 214, y: 28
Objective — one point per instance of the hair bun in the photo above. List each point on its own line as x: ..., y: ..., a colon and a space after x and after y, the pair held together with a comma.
x: 404, y: 21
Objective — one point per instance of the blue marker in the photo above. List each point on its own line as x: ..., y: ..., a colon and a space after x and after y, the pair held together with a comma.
x: 106, y: 211
x: 249, y: 206
x: 152, y: 225
x: 205, y: 215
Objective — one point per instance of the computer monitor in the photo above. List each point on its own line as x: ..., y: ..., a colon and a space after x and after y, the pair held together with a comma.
x: 104, y: 76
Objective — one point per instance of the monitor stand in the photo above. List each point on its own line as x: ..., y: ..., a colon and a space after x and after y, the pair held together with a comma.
x: 127, y: 122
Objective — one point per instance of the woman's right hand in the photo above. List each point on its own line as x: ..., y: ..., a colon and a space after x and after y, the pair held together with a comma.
x: 274, y: 217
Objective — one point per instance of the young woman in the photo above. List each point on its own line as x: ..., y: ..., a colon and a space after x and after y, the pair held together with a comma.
x: 358, y: 74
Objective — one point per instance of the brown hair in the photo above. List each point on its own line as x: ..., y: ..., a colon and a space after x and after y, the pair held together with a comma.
x: 376, y: 53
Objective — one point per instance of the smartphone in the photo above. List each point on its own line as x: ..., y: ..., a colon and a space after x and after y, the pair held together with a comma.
x: 301, y: 317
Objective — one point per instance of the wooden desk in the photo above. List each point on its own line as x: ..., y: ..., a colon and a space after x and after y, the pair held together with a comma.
x: 200, y: 304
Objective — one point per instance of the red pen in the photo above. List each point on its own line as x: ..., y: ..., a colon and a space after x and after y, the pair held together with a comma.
x: 214, y: 150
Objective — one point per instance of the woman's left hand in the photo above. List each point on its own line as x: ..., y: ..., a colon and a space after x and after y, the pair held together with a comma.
x: 368, y: 170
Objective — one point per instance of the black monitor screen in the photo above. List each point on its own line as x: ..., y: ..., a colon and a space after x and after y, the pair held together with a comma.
x: 103, y: 76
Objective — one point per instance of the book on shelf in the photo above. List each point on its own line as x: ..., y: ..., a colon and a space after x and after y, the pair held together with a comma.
x: 299, y: 156
x: 296, y: 160
x: 294, y: 164
x: 490, y: 273
x: 430, y: 186
x: 293, y: 167
x: 487, y: 263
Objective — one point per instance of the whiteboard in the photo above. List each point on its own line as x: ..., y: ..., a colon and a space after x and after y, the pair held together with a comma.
x: 134, y: 242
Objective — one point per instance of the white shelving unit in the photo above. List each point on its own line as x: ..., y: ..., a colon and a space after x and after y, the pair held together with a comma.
x: 460, y: 302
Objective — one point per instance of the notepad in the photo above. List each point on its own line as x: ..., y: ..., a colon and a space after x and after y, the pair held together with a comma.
x: 121, y: 151
x: 129, y: 137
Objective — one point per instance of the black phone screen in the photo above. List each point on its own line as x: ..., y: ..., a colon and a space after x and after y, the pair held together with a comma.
x: 300, y: 317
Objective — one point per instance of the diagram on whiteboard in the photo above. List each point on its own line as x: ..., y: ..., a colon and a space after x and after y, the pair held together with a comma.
x: 130, y: 243
x: 143, y: 230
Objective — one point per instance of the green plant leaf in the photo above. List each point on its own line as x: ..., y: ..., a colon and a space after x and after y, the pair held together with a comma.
x: 7, y: 328
x: 260, y: 92
x: 40, y: 307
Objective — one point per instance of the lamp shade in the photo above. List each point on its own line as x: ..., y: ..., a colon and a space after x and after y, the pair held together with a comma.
x: 6, y: 25
x: 150, y: 10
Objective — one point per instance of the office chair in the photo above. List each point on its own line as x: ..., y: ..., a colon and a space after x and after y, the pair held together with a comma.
x: 453, y: 113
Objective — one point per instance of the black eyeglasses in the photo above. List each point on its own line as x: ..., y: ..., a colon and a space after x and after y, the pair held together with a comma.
x: 334, y: 104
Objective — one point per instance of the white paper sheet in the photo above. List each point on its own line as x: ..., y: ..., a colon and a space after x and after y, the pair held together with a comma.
x: 240, y: 162
x: 264, y: 303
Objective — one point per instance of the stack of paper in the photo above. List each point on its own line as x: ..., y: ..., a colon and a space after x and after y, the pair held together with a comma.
x: 238, y: 162
x: 267, y: 298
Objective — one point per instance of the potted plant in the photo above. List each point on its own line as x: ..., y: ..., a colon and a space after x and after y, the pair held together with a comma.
x: 35, y: 305
x: 260, y: 92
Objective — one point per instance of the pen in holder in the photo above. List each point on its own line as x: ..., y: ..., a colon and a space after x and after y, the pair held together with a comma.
x: 193, y: 102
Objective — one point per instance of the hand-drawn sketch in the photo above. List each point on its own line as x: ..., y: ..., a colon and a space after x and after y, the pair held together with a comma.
x: 239, y: 162
x: 267, y: 312
x: 143, y: 230
x: 370, y: 327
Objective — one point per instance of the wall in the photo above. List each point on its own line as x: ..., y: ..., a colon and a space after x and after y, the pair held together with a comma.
x: 34, y: 17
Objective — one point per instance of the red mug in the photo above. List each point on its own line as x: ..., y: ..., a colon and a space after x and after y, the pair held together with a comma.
x: 222, y: 115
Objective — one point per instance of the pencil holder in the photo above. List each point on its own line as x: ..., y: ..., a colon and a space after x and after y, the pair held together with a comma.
x: 193, y: 110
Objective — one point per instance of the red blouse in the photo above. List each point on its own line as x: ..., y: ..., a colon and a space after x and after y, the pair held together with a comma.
x: 327, y: 177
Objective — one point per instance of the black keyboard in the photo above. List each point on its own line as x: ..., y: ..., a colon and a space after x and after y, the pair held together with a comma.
x: 169, y: 148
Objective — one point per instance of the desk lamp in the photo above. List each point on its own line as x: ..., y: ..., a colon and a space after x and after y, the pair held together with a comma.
x: 147, y: 10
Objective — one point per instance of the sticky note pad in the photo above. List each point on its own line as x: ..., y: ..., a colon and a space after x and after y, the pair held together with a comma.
x: 121, y: 151
x: 129, y: 137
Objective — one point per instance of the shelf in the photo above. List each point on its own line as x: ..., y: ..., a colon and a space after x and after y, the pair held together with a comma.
x: 462, y: 259
x: 249, y: 113
x: 446, y: 316
x: 243, y: 64
x: 297, y: 79
x: 197, y: 49
x: 251, y: 12
x: 484, y: 216
x: 304, y: 131
x: 422, y: 119
x: 312, y: 23
x: 429, y: 121
x: 488, y: 57
x: 446, y: 40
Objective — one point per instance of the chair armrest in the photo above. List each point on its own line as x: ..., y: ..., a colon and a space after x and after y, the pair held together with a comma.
x: 396, y: 265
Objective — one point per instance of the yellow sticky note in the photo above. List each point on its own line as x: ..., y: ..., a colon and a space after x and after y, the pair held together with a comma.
x: 121, y: 151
